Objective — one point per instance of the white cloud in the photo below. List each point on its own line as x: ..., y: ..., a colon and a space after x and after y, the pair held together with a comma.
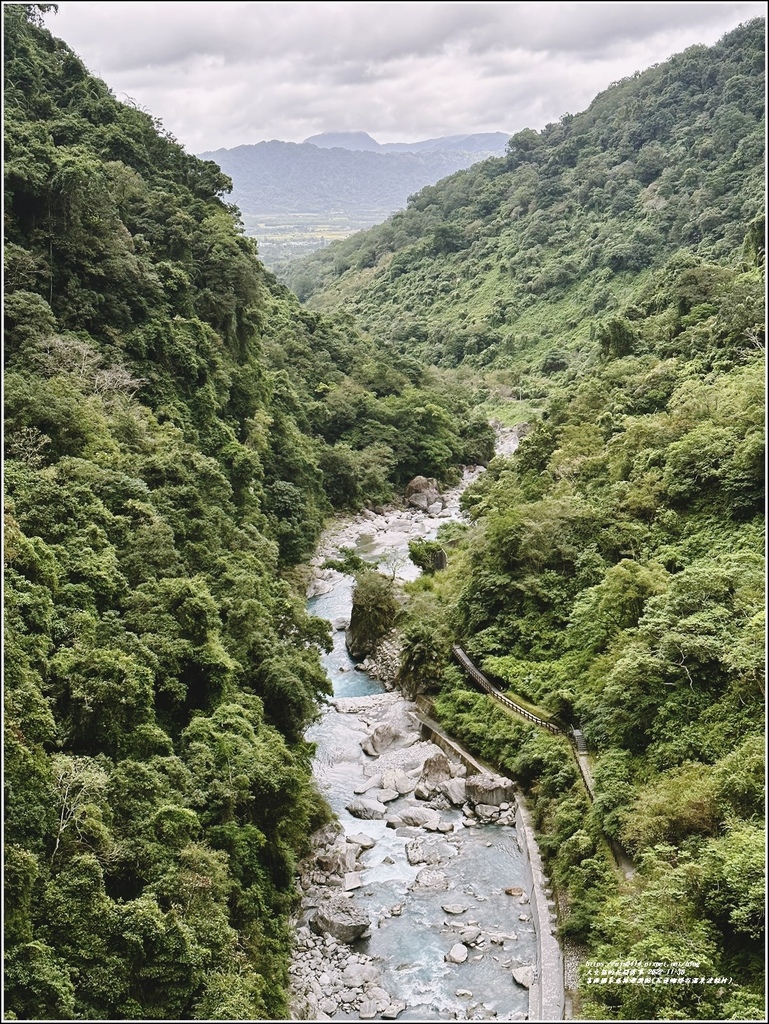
x: 225, y: 74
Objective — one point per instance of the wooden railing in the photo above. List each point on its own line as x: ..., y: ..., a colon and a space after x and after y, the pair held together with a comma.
x: 496, y: 693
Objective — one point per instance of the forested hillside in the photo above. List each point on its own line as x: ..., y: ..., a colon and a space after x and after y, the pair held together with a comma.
x: 177, y: 429
x: 510, y: 263
x: 611, y: 271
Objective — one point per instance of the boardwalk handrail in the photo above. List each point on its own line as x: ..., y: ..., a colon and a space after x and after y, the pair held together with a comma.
x: 496, y: 693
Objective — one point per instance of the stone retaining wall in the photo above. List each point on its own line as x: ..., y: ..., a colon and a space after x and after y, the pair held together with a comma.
x: 546, y: 995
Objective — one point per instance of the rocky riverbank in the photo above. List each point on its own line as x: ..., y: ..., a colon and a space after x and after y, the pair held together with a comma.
x: 412, y: 902
x: 383, y: 533
x: 413, y: 810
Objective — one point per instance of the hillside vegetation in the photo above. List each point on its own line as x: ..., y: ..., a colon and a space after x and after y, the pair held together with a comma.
x: 510, y: 263
x: 177, y: 430
x: 611, y: 271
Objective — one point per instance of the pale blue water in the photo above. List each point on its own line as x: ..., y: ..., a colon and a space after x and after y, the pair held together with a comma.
x: 410, y: 948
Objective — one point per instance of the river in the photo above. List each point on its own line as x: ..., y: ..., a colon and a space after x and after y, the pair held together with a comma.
x: 408, y: 875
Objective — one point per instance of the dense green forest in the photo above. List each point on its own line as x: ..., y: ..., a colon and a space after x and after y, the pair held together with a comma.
x: 509, y: 263
x: 178, y: 427
x: 612, y: 572
x: 177, y: 430
x: 606, y: 277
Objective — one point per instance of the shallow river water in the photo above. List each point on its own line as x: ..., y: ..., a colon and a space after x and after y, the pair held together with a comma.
x: 410, y: 932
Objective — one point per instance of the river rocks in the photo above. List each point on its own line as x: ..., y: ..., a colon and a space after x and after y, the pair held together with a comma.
x: 485, y: 788
x: 454, y: 908
x: 361, y: 840
x: 457, y: 954
x: 367, y: 809
x: 420, y: 817
x: 430, y: 878
x: 395, y: 760
x: 436, y: 769
x: 524, y: 976
x: 486, y: 812
x: 355, y: 975
x: 455, y: 791
x: 341, y: 918
x: 421, y: 492
x: 337, y: 857
x: 327, y: 977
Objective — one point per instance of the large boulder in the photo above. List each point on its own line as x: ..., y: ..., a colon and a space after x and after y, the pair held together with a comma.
x: 400, y: 729
x: 340, y: 917
x: 419, y: 817
x: 436, y: 769
x: 524, y: 976
x: 430, y: 879
x: 375, y: 782
x: 367, y: 809
x: 397, y: 779
x: 422, y: 492
x: 485, y: 788
x: 455, y: 790
x: 457, y: 954
x: 361, y: 840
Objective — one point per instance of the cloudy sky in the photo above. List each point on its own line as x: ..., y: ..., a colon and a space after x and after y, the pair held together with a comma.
x: 225, y: 74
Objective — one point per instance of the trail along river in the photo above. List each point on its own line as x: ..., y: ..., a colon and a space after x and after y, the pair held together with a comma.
x: 409, y: 875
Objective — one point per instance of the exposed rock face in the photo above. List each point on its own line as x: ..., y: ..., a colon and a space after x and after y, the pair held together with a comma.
x: 489, y: 789
x: 383, y: 662
x: 422, y: 492
x: 341, y: 918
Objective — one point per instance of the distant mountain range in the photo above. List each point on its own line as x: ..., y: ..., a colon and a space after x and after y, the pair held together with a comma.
x: 296, y: 197
x: 485, y: 143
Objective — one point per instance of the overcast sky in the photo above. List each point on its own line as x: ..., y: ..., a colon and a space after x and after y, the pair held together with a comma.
x: 225, y: 74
